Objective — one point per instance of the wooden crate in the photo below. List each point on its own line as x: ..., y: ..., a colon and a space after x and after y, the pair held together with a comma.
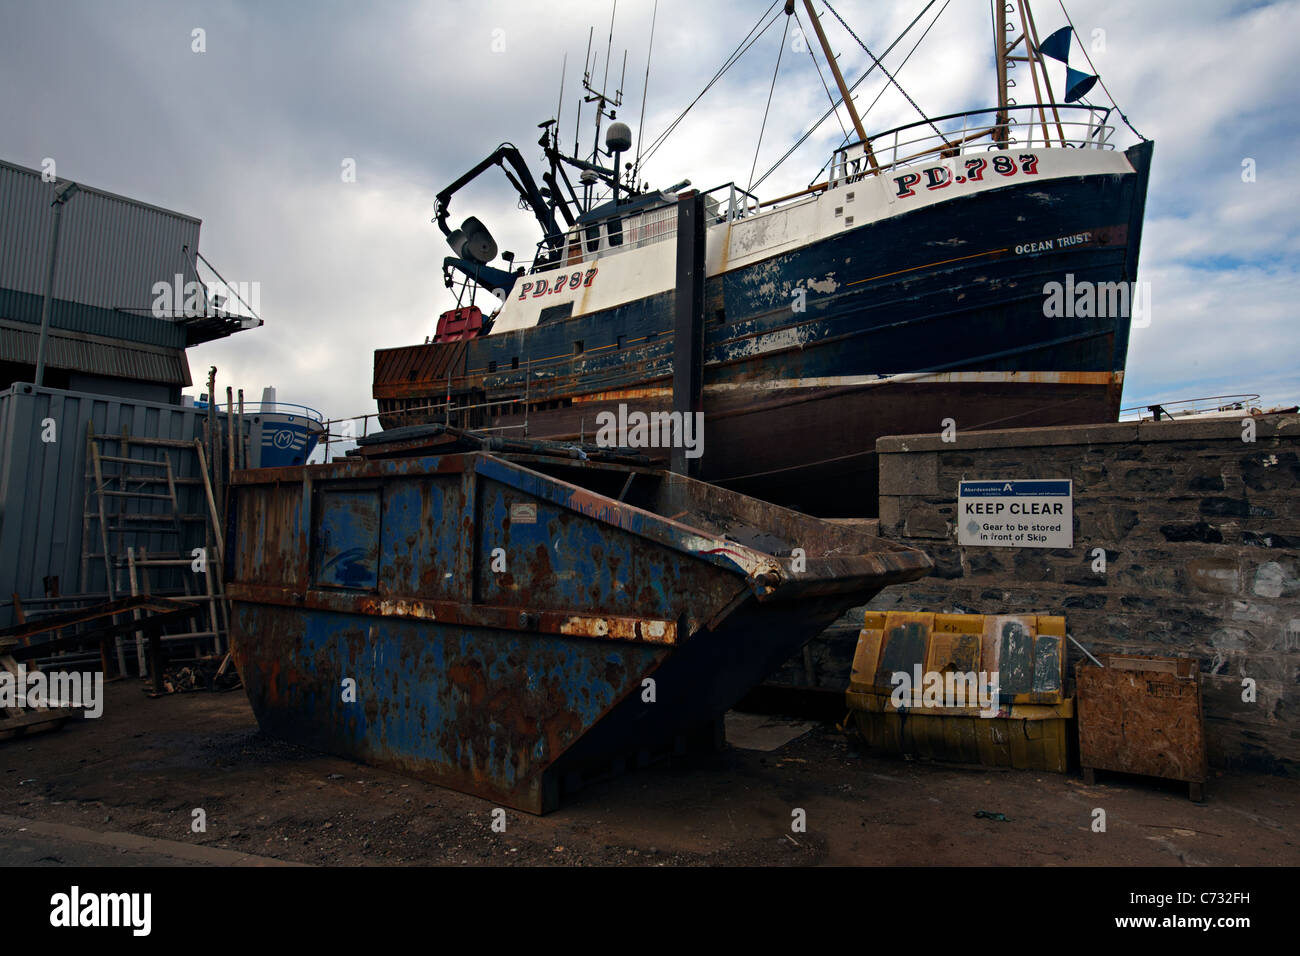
x: 1143, y: 715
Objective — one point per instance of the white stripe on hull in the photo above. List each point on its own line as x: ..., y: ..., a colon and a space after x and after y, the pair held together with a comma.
x: 903, y: 378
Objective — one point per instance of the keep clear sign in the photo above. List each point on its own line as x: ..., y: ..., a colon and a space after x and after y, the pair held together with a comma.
x: 1016, y: 514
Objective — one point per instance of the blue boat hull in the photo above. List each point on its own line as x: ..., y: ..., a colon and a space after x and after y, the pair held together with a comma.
x: 955, y: 288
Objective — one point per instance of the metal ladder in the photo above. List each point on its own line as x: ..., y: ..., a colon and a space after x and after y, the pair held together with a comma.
x: 132, y: 499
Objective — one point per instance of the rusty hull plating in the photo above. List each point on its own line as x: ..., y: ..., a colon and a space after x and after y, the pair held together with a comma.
x: 499, y: 613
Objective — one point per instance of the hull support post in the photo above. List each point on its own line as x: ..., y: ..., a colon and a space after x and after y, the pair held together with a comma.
x: 688, y: 344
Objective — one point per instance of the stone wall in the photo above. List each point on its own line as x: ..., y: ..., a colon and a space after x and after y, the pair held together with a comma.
x: 1200, y: 533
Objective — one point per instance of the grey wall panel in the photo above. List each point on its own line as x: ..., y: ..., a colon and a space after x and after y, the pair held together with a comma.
x: 111, y: 249
x: 43, y: 485
x: 73, y: 316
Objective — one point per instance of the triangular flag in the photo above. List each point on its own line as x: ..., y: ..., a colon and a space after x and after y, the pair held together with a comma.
x: 1077, y: 83
x: 1057, y: 46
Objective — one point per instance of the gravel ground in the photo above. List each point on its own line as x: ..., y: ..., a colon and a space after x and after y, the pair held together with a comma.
x: 146, y: 765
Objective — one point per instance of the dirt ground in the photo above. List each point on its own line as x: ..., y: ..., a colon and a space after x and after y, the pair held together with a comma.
x: 97, y: 787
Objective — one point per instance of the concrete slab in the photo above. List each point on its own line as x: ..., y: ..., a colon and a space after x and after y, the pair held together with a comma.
x: 763, y: 732
x: 40, y: 843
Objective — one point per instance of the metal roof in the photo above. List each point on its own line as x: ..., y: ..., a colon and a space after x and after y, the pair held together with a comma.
x: 95, y: 355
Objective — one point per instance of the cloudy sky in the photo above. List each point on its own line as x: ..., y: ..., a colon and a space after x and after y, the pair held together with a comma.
x: 252, y: 134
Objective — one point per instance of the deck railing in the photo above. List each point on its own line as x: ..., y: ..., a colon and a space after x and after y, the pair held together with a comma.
x: 1071, y: 126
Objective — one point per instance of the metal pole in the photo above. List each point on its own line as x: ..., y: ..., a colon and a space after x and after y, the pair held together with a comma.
x: 61, y: 196
x: 214, y: 435
x: 688, y: 341
x: 231, y: 462
x: 243, y: 442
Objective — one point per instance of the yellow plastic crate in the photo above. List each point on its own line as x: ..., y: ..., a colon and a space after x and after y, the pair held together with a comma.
x: 1031, y: 727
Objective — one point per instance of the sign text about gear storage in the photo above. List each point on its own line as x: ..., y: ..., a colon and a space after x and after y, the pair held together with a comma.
x: 1016, y: 514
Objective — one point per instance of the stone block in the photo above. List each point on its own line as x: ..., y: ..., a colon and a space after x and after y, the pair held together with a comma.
x: 1217, y: 575
x: 914, y: 474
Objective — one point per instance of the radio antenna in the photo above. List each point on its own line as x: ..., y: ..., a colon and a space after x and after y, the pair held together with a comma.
x: 645, y: 89
x: 559, y: 106
x: 604, y: 84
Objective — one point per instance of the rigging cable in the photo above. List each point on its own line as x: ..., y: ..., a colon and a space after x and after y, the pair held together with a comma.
x: 780, y: 50
x: 825, y: 116
x: 1098, y: 74
x: 825, y: 86
x: 888, y: 75
x: 727, y: 64
x: 897, y: 70
x: 645, y: 89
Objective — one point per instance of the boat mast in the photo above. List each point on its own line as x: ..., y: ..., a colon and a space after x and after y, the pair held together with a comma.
x: 1000, y: 51
x: 1031, y: 32
x: 1007, y: 60
x: 606, y: 106
x: 839, y: 80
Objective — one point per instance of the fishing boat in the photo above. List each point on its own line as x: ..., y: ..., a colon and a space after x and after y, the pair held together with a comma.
x: 971, y: 270
x: 282, y: 434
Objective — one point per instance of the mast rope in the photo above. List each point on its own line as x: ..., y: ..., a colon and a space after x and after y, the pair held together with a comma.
x: 825, y: 86
x: 736, y: 54
x: 825, y: 116
x: 1097, y: 73
x: 897, y: 70
x: 645, y: 90
x: 909, y: 99
x: 779, y: 51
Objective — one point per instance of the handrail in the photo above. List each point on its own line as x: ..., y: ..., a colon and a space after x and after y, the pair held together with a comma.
x: 1233, y: 402
x: 1092, y: 129
x: 1104, y: 110
x: 264, y: 408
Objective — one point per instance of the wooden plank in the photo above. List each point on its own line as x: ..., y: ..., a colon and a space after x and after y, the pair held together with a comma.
x: 212, y: 501
x: 135, y: 615
x: 33, y: 717
x: 32, y: 724
x: 155, y: 622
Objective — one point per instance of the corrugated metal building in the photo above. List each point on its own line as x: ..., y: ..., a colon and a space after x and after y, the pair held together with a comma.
x: 44, y: 494
x: 113, y: 366
x: 104, y: 337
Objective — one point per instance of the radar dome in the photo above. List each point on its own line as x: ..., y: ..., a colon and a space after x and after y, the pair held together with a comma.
x: 618, y: 138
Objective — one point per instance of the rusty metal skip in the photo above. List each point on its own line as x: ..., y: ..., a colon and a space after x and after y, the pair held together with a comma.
x: 511, y: 625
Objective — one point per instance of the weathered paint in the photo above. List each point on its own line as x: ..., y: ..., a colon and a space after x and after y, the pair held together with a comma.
x: 503, y: 682
x: 1144, y: 715
x: 1027, y: 728
x: 926, y: 309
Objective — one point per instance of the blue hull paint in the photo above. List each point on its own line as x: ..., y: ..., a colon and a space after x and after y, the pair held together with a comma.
x: 984, y: 313
x: 939, y: 289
